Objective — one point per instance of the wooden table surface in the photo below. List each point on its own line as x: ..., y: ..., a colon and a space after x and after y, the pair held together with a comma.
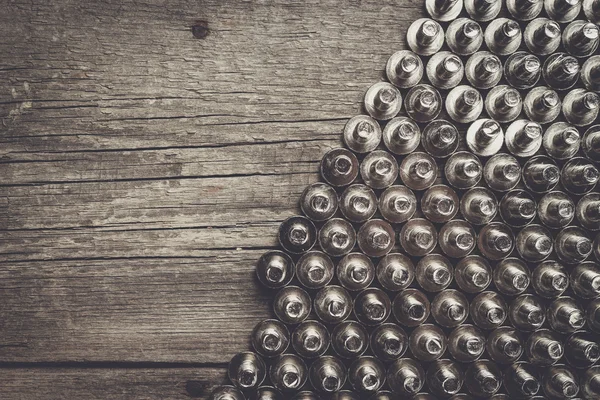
x: 148, y: 152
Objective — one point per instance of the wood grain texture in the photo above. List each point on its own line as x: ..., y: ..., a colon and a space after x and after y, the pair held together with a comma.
x: 109, y: 383
x: 145, y: 166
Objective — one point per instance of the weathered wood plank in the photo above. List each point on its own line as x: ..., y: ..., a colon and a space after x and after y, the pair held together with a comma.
x: 109, y: 383
x: 196, y: 310
x: 104, y: 166
x: 132, y: 75
x: 134, y: 159
x: 161, y: 203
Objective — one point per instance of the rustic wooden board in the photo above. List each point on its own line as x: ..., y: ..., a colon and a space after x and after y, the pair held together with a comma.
x: 109, y: 383
x: 146, y: 164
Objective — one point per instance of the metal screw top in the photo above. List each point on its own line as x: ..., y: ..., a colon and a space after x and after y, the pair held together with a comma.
x: 503, y: 36
x: 425, y: 37
x: 404, y: 69
x: 483, y: 70
x: 383, y: 101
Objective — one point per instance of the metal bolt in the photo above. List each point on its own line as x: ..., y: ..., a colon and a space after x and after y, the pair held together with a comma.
x: 397, y: 204
x: 404, y: 69
x: 561, y: 141
x: 524, y: 10
x: 383, y: 101
x: 483, y: 70
x: 561, y: 71
x: 562, y: 11
x: 542, y: 36
x: 423, y: 103
x: 581, y: 38
x: 425, y: 37
x: 362, y: 134
x: 440, y: 138
x: 503, y: 36
x: 401, y: 135
x: 485, y: 137
x: 464, y: 104
x: 522, y: 70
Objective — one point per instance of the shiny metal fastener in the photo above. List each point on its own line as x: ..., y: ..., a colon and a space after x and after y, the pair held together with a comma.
x: 443, y: 10
x: 542, y: 36
x: 401, y: 135
x: 517, y: 208
x: 561, y: 141
x: 376, y: 238
x: 590, y: 73
x: 581, y: 38
x: 404, y: 69
x: 556, y: 210
x: 379, y: 169
x: 522, y: 70
x: 483, y: 70
x: 457, y: 238
x: 550, y: 279
x: 337, y: 237
x: 572, y: 245
x: 383, y: 101
x: 423, y: 103
x: 395, y: 272
x: 512, y: 276
x: 425, y: 37
x: 434, y: 272
x: 466, y: 343
x: 314, y: 270
x: 473, y: 274
x: 562, y: 11
x: 397, y: 204
x: 496, y: 241
x: 588, y: 211
x: 523, y: 138
x: 389, y: 342
x: 439, y: 203
x: 534, y: 243
x: 505, y: 345
x: 483, y: 10
x: 464, y: 36
x: 292, y: 305
x: 503, y: 103
x: 355, y: 271
x: 440, y: 138
x: 485, y: 137
x: 503, y: 36
x: 464, y: 104
x: 502, y: 172
x: 297, y: 234
x: 358, y: 203
x: 362, y: 134
x: 579, y: 175
x: 479, y: 205
x: 561, y: 71
x: 311, y: 339
x: 524, y: 10
x: 339, y: 167
x: 418, y: 171
x: 542, y: 105
x: 463, y: 170
x: 418, y: 237
x: 319, y: 201
x: 591, y: 9
x: 445, y: 70
x: 591, y: 143
x: 540, y: 174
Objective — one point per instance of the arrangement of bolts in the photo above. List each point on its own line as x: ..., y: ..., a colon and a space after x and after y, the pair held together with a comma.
x: 452, y: 249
